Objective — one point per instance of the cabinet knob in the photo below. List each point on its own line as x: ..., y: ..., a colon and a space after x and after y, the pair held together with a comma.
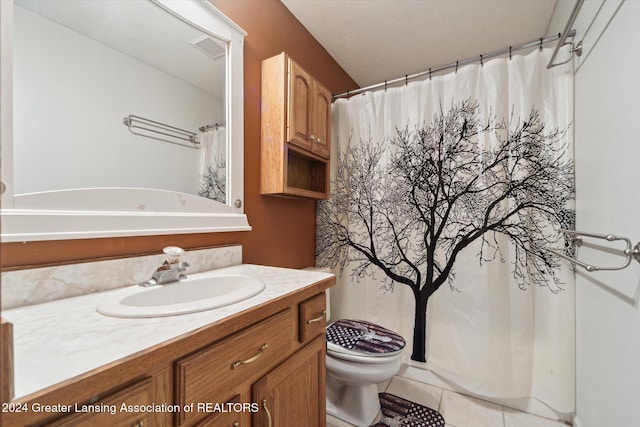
x: 312, y: 138
x: 139, y: 424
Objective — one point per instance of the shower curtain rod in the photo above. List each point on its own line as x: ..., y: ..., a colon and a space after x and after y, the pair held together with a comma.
x: 577, y: 49
x: 455, y: 65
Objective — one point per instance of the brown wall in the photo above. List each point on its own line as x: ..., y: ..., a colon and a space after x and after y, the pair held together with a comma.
x: 283, y: 229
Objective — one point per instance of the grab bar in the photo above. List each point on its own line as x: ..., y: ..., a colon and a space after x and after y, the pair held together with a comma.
x: 136, y: 122
x: 630, y: 252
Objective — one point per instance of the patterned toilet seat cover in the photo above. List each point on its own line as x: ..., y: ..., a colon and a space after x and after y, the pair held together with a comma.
x: 363, y: 337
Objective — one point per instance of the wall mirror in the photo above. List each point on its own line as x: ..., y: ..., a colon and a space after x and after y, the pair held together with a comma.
x: 119, y: 118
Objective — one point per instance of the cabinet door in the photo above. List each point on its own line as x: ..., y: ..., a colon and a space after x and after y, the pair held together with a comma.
x: 293, y: 394
x: 299, y: 107
x: 321, y: 120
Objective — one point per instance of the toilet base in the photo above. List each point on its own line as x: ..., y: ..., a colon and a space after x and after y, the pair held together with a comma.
x: 355, y: 404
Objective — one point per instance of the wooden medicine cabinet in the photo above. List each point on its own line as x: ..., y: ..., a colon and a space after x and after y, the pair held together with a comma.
x: 296, y: 124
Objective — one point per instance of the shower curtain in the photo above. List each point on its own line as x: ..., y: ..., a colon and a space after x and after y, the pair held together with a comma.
x: 444, y: 194
x: 213, y: 164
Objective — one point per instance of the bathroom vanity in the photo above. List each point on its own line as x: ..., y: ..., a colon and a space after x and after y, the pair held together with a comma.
x: 259, y: 362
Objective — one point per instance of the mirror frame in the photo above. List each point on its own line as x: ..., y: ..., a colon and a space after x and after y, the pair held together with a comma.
x: 116, y: 212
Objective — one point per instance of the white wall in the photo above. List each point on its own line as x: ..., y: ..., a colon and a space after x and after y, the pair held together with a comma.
x: 70, y: 96
x: 607, y: 112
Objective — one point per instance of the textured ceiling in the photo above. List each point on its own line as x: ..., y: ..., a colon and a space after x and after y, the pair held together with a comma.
x: 378, y: 40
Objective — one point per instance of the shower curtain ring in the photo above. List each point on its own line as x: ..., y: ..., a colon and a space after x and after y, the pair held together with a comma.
x: 456, y: 67
x: 429, y: 73
x: 385, y: 85
x: 540, y: 43
x: 406, y: 79
x: 481, y: 63
x: 509, y: 52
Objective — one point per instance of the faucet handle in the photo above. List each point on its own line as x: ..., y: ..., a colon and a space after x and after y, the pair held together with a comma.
x: 173, y: 254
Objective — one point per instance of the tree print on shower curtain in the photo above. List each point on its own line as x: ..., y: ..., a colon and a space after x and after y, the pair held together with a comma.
x: 213, y: 183
x: 446, y: 184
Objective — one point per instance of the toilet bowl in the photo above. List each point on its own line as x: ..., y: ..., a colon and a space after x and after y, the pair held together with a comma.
x: 360, y: 355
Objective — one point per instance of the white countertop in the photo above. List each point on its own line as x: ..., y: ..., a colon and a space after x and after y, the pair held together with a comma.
x: 58, y: 340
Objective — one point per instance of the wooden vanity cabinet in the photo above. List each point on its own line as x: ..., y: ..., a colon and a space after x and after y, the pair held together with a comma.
x: 268, y: 361
x: 295, y: 131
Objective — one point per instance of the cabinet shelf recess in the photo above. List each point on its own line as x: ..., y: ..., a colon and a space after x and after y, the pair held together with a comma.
x: 306, y: 175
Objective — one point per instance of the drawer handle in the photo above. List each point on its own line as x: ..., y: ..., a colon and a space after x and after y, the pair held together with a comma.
x: 264, y: 406
x: 317, y: 319
x: 251, y: 359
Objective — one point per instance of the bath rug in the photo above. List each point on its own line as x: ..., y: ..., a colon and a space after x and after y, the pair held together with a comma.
x: 399, y: 412
x: 364, y: 337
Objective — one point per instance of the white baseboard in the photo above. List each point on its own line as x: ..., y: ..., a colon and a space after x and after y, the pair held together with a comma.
x: 529, y: 405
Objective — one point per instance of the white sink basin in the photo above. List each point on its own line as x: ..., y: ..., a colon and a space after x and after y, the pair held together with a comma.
x: 198, y: 292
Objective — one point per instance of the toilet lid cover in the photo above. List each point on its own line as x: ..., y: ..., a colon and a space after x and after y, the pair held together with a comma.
x: 363, y: 337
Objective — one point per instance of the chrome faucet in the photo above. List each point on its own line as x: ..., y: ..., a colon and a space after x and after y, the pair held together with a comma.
x: 171, y: 269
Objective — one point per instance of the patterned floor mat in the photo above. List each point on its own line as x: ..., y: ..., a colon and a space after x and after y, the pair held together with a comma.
x: 399, y: 412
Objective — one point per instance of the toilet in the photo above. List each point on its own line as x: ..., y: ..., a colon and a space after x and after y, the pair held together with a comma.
x: 360, y: 355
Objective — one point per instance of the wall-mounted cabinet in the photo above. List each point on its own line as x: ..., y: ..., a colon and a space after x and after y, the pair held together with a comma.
x: 296, y: 124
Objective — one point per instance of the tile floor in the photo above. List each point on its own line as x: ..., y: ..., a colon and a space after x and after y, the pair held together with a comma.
x: 457, y: 409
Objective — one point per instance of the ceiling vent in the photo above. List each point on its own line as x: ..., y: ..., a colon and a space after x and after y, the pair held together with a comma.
x: 209, y: 46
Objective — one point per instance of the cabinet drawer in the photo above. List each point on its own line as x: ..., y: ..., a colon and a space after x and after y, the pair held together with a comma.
x: 210, y: 375
x: 312, y: 317
x: 111, y: 414
x: 231, y: 418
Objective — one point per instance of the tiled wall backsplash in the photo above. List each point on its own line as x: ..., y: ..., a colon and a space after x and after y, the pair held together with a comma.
x: 38, y: 285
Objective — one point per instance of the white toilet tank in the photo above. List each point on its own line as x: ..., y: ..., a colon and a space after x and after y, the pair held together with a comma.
x: 326, y: 292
